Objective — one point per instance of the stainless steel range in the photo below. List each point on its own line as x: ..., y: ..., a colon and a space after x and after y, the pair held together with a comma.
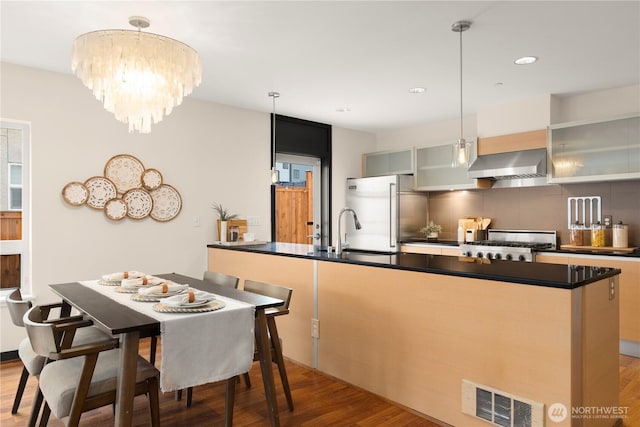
x: 510, y: 245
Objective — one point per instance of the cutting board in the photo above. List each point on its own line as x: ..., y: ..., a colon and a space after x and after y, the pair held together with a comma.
x: 597, y: 248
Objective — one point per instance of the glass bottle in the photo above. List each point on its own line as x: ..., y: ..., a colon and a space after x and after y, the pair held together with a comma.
x: 234, y: 233
x: 576, y: 234
x: 620, y: 235
x: 597, y: 235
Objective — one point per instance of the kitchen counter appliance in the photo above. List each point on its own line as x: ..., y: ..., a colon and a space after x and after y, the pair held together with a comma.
x: 511, y: 245
x: 389, y: 211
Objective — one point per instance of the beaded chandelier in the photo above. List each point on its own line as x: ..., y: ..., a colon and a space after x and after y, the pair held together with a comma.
x: 139, y: 77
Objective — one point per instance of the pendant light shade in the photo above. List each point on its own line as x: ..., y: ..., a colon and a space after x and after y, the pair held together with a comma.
x: 139, y: 77
x: 460, y: 155
x: 274, y: 172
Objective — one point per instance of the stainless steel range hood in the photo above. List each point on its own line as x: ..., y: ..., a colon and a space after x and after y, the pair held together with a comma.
x: 517, y: 165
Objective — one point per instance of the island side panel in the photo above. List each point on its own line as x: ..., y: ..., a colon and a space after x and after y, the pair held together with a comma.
x: 413, y: 337
x: 629, y: 288
x: 294, y: 273
x: 600, y: 359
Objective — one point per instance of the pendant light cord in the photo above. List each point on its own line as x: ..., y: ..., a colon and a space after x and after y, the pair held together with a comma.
x: 461, y: 130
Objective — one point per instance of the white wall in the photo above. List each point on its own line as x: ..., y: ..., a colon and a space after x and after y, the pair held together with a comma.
x: 427, y: 135
x: 347, y: 149
x: 518, y: 116
x: 598, y: 105
x: 208, y: 152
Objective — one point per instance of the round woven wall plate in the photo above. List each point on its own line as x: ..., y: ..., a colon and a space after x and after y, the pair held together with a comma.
x: 101, y: 190
x: 167, y: 203
x: 125, y: 171
x: 115, y: 209
x: 75, y: 193
x: 139, y: 203
x: 151, y: 179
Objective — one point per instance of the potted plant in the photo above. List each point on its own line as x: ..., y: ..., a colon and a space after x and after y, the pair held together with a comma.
x: 431, y: 230
x: 223, y: 217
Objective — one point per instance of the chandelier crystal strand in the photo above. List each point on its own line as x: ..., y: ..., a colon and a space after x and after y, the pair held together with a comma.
x: 138, y: 76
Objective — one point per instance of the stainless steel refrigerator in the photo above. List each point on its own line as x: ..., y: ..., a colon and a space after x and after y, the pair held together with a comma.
x: 388, y: 210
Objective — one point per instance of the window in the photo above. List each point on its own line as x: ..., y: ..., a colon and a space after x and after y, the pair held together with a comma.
x: 15, y: 259
x: 15, y: 186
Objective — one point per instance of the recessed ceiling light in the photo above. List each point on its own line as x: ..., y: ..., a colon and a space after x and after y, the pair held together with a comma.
x: 417, y: 90
x: 343, y: 109
x: 526, y: 60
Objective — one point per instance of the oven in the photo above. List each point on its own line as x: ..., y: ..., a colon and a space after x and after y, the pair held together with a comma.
x: 510, y: 245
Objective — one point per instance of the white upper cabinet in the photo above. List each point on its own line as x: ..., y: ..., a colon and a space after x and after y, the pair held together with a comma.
x: 434, y: 171
x: 604, y: 150
x: 398, y: 162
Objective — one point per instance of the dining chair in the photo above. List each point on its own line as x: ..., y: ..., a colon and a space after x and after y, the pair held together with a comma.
x: 31, y: 361
x: 221, y: 279
x: 82, y: 377
x: 284, y: 294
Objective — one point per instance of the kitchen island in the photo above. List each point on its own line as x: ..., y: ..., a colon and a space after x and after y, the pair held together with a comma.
x: 426, y: 331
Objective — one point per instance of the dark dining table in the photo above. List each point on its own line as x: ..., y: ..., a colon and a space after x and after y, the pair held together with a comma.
x: 130, y: 326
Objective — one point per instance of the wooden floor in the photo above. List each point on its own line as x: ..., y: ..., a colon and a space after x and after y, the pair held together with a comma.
x: 319, y: 400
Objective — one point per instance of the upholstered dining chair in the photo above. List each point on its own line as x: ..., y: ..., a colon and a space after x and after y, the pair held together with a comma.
x: 31, y: 361
x: 222, y: 280
x: 284, y: 294
x: 84, y: 377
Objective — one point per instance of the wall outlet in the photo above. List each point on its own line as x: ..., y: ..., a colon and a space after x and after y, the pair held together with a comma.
x: 253, y: 220
x: 196, y: 221
x: 607, y: 221
x: 315, y: 328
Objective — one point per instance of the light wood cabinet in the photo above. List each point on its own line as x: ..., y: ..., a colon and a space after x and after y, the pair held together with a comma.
x: 396, y: 162
x: 629, y: 286
x: 431, y: 250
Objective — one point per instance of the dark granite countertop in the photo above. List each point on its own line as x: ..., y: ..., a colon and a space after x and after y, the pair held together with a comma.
x: 540, y: 274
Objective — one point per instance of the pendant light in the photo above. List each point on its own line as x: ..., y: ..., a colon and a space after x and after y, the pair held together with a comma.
x: 461, y: 147
x: 274, y: 172
x: 138, y: 76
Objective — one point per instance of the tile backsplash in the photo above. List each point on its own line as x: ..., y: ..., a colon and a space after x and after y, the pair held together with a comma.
x: 535, y: 208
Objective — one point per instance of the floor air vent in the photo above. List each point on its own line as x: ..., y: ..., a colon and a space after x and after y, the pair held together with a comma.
x: 500, y: 408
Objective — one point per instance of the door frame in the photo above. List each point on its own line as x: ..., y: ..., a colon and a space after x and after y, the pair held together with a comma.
x: 23, y: 246
x: 306, y: 138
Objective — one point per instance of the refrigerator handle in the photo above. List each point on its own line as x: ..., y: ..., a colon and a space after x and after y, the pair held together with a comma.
x: 392, y: 223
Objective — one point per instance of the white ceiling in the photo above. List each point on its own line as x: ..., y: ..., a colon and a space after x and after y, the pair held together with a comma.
x: 364, y: 55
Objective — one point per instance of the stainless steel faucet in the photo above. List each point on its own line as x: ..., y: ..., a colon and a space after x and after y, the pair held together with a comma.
x: 355, y: 220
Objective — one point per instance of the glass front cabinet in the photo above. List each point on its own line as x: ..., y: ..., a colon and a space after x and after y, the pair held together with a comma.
x: 398, y: 162
x: 433, y: 170
x: 605, y: 150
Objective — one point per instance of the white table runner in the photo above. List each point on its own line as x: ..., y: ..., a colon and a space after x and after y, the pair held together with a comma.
x: 198, y: 348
